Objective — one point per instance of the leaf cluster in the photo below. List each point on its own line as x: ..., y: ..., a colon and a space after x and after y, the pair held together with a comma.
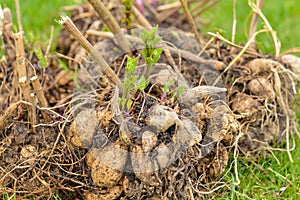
x: 127, y: 11
x: 129, y: 85
x: 133, y: 83
x: 150, y: 53
x: 43, y: 61
x: 176, y: 94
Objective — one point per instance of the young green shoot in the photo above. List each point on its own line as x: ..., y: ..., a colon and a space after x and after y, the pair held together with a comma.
x: 43, y: 61
x: 128, y: 13
x: 176, y: 94
x: 166, y: 90
x: 129, y: 82
x: 130, y: 87
x: 134, y: 83
x: 150, y: 53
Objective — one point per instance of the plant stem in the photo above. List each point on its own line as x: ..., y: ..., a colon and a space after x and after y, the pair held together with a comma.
x: 112, y: 24
x: 174, y: 51
x: 254, y: 23
x: 18, y: 15
x: 140, y: 18
x: 191, y: 20
x: 67, y: 23
x: 22, y: 75
x: 7, y: 114
x: 40, y: 95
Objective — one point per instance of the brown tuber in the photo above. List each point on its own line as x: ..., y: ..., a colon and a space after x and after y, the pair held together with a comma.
x: 261, y: 87
x: 261, y: 65
x: 244, y: 104
x: 83, y: 128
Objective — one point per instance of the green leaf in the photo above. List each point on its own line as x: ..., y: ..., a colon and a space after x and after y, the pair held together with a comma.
x: 144, y: 53
x: 180, y: 91
x: 129, y: 82
x: 155, y: 41
x: 144, y: 35
x: 149, y: 60
x: 129, y: 103
x: 149, y: 37
x: 166, y: 88
x: 123, y: 103
x: 127, y: 3
x: 43, y: 62
x: 131, y: 65
x: 156, y: 54
x: 143, y: 83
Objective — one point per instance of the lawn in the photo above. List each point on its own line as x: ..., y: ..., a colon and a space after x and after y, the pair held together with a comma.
x: 266, y: 178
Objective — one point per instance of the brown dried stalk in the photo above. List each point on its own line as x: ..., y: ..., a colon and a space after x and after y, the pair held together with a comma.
x: 167, y: 10
x: 7, y: 114
x: 7, y: 35
x: 254, y: 22
x: 67, y: 23
x: 140, y: 18
x: 112, y: 24
x: 191, y: 20
x: 172, y: 5
x: 277, y: 43
x: 200, y: 4
x: 18, y: 15
x: 208, y: 5
x: 22, y: 75
x: 174, y: 51
x: 40, y: 95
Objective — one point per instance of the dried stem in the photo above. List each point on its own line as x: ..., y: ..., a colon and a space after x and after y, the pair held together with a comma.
x: 22, y: 75
x: 254, y: 23
x: 140, y: 18
x: 67, y: 23
x: 191, y: 20
x: 20, y: 56
x: 234, y: 22
x: 174, y: 51
x: 7, y: 34
x: 7, y: 114
x: 18, y: 15
x: 162, y: 16
x: 112, y: 24
x: 239, y: 55
x: 276, y: 40
x: 200, y: 4
x: 40, y: 95
x: 210, y: 4
x: 172, y: 5
x: 33, y: 114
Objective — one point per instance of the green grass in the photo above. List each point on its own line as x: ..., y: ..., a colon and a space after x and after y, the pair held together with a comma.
x: 283, y: 16
x: 38, y: 16
x: 267, y: 183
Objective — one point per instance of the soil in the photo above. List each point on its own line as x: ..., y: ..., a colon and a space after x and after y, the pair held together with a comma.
x: 164, y: 146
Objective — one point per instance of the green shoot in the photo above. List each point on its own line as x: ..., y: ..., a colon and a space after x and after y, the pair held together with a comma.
x: 166, y: 88
x: 43, y: 61
x: 166, y: 91
x: 143, y: 83
x: 128, y: 14
x: 180, y: 90
x: 133, y: 83
x: 150, y: 53
x: 129, y: 83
